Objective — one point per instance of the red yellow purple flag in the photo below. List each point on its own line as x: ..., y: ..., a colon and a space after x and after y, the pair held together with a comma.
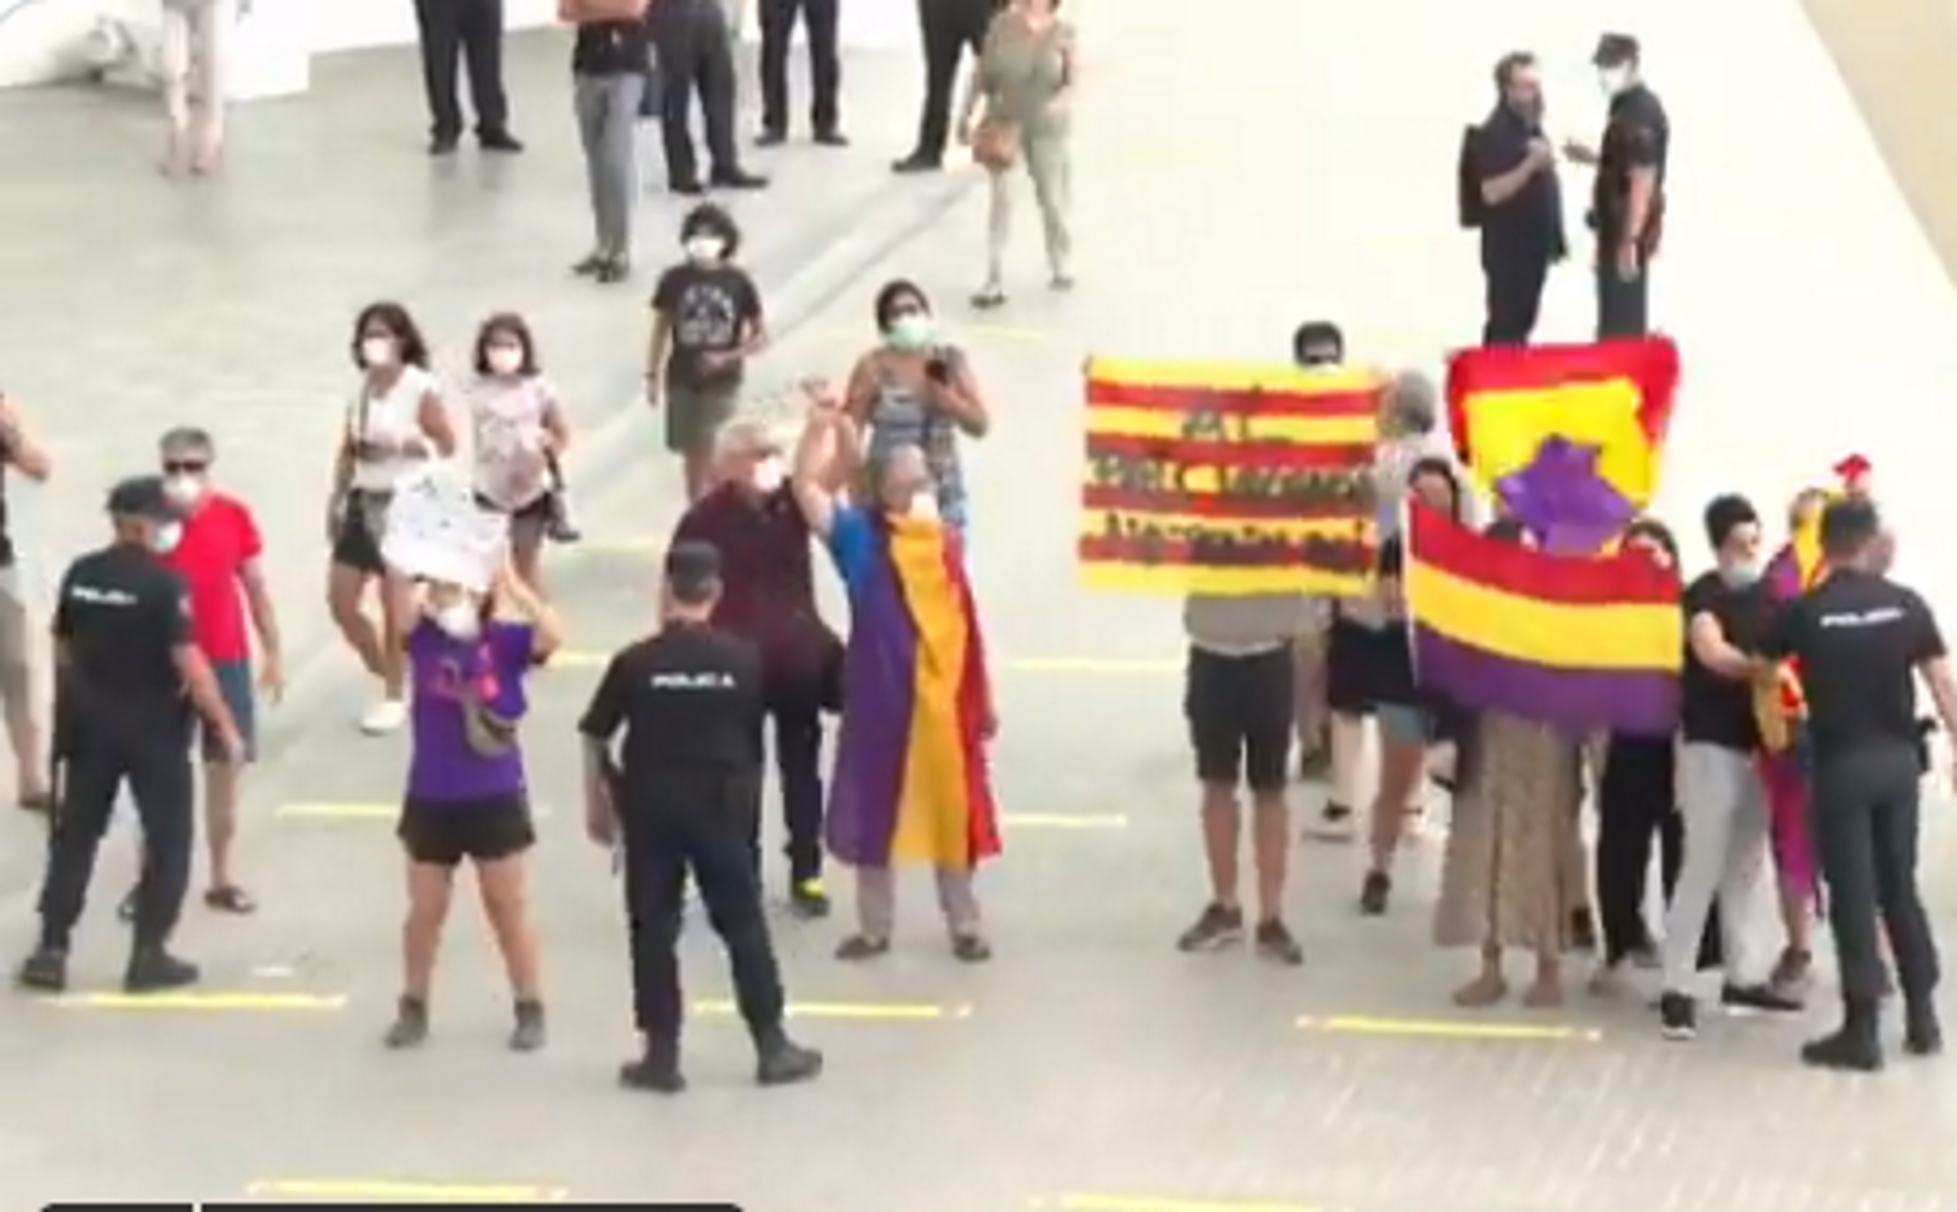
x: 1612, y: 399
x: 1228, y: 479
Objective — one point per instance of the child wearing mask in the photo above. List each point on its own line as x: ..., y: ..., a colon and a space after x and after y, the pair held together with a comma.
x: 707, y: 322
x: 467, y: 798
x: 520, y: 434
x: 916, y: 389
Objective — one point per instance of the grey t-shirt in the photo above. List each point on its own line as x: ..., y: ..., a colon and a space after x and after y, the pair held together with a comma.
x: 1243, y: 626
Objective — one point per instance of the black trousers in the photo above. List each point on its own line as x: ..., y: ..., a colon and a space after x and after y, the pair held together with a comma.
x: 1866, y: 816
x: 454, y: 31
x: 695, y: 50
x: 1637, y: 807
x: 820, y: 17
x: 91, y: 772
x: 1515, y: 286
x: 949, y: 28
x: 795, y: 712
x: 706, y: 826
x: 1622, y: 303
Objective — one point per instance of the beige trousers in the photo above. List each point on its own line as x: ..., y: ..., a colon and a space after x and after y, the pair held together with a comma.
x: 1048, y: 161
x: 876, y: 901
x: 192, y: 56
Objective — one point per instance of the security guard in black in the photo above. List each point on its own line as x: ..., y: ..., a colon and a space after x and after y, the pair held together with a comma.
x: 1636, y: 146
x: 1861, y: 640
x: 125, y: 663
x: 685, y: 795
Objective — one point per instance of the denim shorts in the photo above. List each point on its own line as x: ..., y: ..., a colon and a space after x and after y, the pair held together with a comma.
x: 237, y: 684
x: 1402, y: 724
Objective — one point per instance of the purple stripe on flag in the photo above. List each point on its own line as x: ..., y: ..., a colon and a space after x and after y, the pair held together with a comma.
x: 1574, y: 700
x: 873, y: 739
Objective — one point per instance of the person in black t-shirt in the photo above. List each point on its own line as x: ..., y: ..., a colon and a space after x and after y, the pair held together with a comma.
x: 706, y: 322
x: 683, y: 797
x: 1522, y: 215
x: 1627, y: 207
x: 124, y: 664
x: 1721, y: 798
x: 1861, y: 640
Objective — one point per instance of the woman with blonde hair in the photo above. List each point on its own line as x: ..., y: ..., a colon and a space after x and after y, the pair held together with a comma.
x: 1018, y: 109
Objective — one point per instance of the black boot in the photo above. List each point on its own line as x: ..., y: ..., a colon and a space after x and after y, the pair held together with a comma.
x: 45, y: 970
x: 781, y: 1061
x: 154, y: 970
x: 1856, y: 1046
x: 656, y: 1070
x: 1922, y: 1033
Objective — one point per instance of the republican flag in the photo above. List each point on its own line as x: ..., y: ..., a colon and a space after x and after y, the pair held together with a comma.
x: 1580, y: 643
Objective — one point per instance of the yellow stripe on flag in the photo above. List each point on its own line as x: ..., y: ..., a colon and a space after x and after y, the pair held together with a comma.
x: 1638, y: 638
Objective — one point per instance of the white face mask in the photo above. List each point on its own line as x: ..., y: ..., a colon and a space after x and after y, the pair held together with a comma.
x: 377, y: 352
x: 167, y: 537
x: 503, y: 360
x: 459, y: 620
x: 769, y: 475
x: 184, y: 490
x: 1613, y: 80
x: 704, y: 250
x: 924, y: 507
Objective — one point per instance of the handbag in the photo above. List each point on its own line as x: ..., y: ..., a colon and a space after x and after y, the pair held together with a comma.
x: 488, y: 732
x: 995, y: 145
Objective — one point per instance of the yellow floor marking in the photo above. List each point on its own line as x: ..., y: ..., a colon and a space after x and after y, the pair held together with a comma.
x: 1157, y: 1203
x: 350, y: 811
x: 382, y: 1190
x: 863, y: 1011
x: 1062, y: 820
x: 1090, y: 666
x: 204, y: 1003
x: 1453, y: 1029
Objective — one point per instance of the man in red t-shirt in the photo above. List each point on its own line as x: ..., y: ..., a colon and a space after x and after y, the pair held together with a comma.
x: 218, y: 559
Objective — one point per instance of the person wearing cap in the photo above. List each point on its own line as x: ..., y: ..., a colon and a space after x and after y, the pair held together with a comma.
x: 768, y: 597
x: 1627, y: 201
x: 1521, y: 214
x: 682, y: 797
x: 1318, y: 347
x: 126, y: 659
x: 1721, y: 800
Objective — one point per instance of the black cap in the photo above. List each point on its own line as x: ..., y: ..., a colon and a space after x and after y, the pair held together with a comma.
x: 693, y: 572
x: 1615, y: 50
x: 142, y: 497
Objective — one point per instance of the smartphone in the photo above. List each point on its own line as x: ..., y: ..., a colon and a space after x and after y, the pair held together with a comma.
x: 939, y: 371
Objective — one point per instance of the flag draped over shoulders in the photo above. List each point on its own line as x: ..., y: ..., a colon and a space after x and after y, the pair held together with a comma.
x: 1582, y: 643
x: 911, y: 780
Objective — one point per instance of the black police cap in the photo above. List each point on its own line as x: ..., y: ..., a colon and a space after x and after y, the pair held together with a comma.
x: 693, y: 571
x: 142, y: 497
x: 1615, y: 49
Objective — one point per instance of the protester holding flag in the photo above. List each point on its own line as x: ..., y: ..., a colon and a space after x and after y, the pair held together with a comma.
x: 1519, y: 783
x: 912, y: 781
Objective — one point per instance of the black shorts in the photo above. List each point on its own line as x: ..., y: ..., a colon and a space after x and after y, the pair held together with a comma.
x: 442, y: 834
x: 355, y: 543
x: 1241, y: 711
x: 1360, y: 667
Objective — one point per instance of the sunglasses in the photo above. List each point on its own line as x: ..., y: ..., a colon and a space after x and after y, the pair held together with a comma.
x: 185, y: 467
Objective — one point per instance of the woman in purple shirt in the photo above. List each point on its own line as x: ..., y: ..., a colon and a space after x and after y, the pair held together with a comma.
x: 467, y: 797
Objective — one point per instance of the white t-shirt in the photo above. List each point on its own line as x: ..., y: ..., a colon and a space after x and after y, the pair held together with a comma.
x: 507, y: 421
x: 393, y: 416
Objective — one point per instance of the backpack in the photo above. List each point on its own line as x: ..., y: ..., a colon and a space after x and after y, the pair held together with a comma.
x: 1471, y: 208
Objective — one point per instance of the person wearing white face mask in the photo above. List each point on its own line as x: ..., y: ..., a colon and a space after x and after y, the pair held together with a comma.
x: 916, y: 389
x: 520, y: 435
x: 1627, y: 207
x: 768, y: 597
x: 395, y: 424
x: 707, y: 321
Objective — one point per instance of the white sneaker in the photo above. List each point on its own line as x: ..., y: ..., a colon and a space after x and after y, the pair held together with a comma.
x: 384, y: 717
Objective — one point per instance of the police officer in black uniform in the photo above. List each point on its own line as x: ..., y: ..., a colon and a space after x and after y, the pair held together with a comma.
x: 1521, y: 212
x: 685, y: 795
x: 1861, y: 639
x: 124, y: 668
x: 1627, y: 203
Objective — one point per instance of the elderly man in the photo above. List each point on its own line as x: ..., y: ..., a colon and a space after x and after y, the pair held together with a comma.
x: 768, y: 597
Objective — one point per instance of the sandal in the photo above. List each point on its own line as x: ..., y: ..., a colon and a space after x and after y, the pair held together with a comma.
x: 230, y: 899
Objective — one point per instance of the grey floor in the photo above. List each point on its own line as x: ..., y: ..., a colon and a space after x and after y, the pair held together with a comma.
x: 1090, y: 1067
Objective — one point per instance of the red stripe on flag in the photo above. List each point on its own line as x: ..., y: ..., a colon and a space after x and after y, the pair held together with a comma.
x: 1649, y: 364
x: 1631, y: 578
x: 1239, y: 402
x: 1344, y: 557
x: 1191, y: 452
x: 1220, y: 505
